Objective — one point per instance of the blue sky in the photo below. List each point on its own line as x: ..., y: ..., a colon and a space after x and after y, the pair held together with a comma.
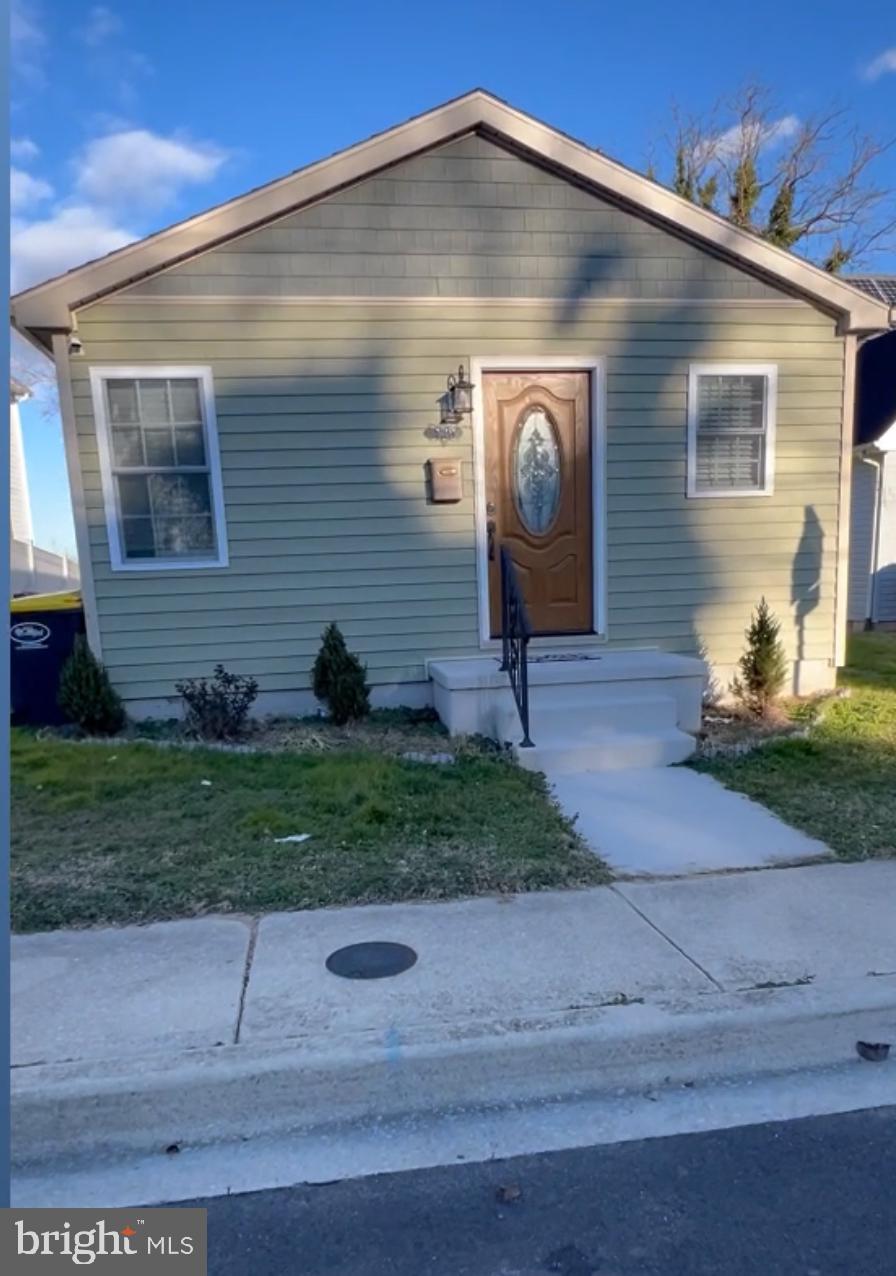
x: 131, y: 115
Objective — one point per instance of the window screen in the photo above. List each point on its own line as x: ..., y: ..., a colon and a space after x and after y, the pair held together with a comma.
x: 159, y: 459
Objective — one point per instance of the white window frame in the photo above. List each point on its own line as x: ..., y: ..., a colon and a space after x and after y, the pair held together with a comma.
x: 118, y: 559
x: 770, y: 413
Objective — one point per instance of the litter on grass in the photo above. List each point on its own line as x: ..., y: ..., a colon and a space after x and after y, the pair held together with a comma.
x: 294, y: 837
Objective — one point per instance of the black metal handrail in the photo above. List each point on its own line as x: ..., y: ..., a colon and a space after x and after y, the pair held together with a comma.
x: 515, y: 634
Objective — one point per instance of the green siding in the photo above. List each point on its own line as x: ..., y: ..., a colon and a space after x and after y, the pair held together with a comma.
x: 467, y: 220
x: 321, y: 411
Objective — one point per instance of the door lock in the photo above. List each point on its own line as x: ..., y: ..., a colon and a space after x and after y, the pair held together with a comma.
x: 490, y: 533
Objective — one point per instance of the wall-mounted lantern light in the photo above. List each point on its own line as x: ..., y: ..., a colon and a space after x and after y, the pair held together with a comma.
x: 457, y: 401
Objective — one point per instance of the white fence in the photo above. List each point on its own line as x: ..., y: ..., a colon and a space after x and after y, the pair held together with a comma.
x: 40, y: 571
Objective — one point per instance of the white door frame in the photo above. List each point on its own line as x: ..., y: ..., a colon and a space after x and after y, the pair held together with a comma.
x: 546, y: 363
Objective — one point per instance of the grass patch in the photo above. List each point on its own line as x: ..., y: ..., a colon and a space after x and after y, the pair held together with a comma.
x: 128, y: 832
x: 870, y: 660
x: 838, y: 783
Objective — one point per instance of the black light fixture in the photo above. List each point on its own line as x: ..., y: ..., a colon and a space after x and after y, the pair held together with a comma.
x: 457, y: 401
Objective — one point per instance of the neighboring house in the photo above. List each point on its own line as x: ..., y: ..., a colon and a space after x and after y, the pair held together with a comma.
x: 660, y: 430
x: 20, y: 525
x: 32, y: 570
x: 872, y: 580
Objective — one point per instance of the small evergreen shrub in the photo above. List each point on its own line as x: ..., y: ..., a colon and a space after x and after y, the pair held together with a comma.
x: 713, y: 691
x: 339, y: 679
x: 86, y: 696
x: 217, y: 708
x: 763, y: 666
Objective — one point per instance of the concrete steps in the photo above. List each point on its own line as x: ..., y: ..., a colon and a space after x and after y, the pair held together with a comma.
x: 564, y: 710
x: 640, y: 732
x: 589, y: 712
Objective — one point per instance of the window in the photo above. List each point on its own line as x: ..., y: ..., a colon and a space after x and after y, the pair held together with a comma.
x: 731, y: 429
x: 160, y: 467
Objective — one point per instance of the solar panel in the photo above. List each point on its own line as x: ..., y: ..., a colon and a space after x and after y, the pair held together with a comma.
x: 881, y: 287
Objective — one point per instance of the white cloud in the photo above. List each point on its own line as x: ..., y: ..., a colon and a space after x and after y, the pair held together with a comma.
x: 27, y: 42
x: 881, y: 65
x: 101, y: 24
x: 25, y: 190
x: 70, y: 237
x: 780, y: 130
x: 24, y: 33
x: 23, y: 149
x: 728, y: 144
x: 119, y: 181
x: 141, y: 170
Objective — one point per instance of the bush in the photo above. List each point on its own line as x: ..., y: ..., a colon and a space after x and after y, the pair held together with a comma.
x: 86, y: 695
x: 339, y: 679
x: 763, y: 666
x: 217, y: 709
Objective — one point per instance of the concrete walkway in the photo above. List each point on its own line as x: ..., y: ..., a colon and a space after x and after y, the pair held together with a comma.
x: 671, y: 821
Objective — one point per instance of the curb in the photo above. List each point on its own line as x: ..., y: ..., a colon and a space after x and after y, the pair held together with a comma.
x: 102, y: 1111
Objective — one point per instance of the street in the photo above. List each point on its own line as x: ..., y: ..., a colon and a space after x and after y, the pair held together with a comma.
x: 814, y: 1197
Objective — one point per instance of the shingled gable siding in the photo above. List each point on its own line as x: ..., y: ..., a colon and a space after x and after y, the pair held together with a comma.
x: 321, y: 411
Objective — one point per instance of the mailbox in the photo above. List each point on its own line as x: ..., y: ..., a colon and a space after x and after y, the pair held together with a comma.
x: 446, y: 478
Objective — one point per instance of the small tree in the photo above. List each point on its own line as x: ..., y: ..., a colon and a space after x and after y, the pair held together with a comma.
x: 86, y: 695
x: 763, y: 666
x: 339, y: 679
x: 745, y: 191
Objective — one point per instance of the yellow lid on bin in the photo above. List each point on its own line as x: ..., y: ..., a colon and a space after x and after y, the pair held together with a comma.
x: 69, y: 601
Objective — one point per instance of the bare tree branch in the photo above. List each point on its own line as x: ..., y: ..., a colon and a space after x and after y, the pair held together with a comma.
x: 37, y: 373
x: 807, y: 184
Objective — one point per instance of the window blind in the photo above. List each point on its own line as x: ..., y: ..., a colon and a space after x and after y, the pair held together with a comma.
x: 730, y: 432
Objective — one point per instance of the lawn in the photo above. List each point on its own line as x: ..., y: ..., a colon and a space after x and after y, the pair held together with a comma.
x: 131, y: 832
x: 839, y: 782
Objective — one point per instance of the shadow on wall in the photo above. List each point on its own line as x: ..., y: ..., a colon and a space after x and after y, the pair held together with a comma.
x: 323, y: 463
x: 805, y: 589
x: 661, y: 573
x: 328, y: 510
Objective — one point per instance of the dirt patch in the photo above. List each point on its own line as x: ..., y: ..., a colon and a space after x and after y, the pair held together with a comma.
x: 731, y: 731
x: 414, y: 734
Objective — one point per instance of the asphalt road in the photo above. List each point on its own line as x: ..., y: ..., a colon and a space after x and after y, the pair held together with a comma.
x: 809, y: 1198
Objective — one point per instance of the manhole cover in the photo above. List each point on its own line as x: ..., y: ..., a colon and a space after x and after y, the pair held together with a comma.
x: 376, y: 960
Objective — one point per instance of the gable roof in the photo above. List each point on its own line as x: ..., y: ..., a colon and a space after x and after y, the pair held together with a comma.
x: 47, y: 307
x: 876, y: 391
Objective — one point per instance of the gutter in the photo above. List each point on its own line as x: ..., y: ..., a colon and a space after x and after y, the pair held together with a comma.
x: 870, y: 597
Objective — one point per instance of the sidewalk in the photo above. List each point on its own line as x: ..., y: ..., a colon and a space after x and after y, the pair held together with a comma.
x: 226, y: 1027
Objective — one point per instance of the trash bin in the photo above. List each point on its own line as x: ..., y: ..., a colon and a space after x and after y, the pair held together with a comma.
x: 41, y: 637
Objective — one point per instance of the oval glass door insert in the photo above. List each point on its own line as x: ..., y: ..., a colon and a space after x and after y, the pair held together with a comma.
x: 536, y: 472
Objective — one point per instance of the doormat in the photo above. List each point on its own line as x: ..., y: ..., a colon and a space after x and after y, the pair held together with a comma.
x: 561, y: 657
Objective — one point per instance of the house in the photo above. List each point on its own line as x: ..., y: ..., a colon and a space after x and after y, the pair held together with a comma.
x: 659, y: 430
x: 32, y: 570
x: 872, y: 567
x: 20, y: 524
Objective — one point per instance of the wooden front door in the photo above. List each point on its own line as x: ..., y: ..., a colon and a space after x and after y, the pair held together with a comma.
x: 538, y: 495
